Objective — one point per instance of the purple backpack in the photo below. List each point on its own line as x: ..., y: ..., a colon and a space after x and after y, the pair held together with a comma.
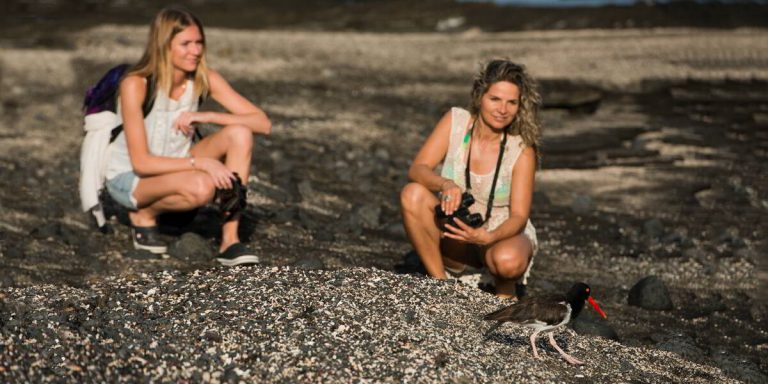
x: 103, y: 96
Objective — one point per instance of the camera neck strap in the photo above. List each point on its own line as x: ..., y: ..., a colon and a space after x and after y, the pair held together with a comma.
x: 502, y: 147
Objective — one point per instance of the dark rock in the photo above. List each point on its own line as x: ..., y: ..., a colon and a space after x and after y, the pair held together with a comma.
x: 14, y: 253
x: 731, y: 238
x: 679, y: 344
x: 650, y: 293
x: 230, y: 376
x: 309, y: 221
x: 192, y: 248
x: 305, y: 190
x: 282, y: 167
x: 345, y: 173
x: 742, y: 369
x: 582, y: 204
x: 395, y: 230
x: 366, y: 216
x: 141, y: 254
x: 563, y: 95
x: 309, y: 262
x: 697, y: 307
x: 382, y: 154
x: 653, y: 228
x: 212, y: 335
x: 286, y: 214
x: 323, y: 235
x: 70, y: 236
x: 47, y: 230
x: 584, y: 325
x: 411, y: 263
x: 759, y: 311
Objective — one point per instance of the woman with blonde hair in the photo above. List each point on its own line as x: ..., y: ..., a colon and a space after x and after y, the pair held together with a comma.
x: 490, y: 154
x: 154, y: 164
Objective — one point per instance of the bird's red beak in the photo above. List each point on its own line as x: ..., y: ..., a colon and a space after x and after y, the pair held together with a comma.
x: 594, y: 305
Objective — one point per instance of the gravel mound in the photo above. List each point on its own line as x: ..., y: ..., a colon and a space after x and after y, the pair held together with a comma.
x: 279, y: 324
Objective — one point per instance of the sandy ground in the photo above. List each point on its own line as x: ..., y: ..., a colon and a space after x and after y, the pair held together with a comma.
x: 654, y: 163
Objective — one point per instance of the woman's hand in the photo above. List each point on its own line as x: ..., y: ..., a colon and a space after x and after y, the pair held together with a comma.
x: 450, y: 197
x: 186, y: 121
x: 222, y: 176
x: 467, y: 234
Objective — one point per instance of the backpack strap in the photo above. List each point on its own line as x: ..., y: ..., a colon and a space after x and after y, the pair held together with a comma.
x: 146, y: 106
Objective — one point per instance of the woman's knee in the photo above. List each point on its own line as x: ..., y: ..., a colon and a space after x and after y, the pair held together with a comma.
x: 412, y: 196
x: 239, y: 136
x: 510, y: 264
x: 199, y: 190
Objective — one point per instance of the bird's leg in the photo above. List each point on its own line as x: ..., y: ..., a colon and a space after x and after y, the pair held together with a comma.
x: 570, y: 359
x: 533, y: 344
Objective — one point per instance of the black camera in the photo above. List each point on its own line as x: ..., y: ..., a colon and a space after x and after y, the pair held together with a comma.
x: 474, y: 220
x: 233, y: 200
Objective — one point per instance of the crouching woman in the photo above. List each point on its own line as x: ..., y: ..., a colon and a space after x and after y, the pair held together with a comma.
x: 154, y: 165
x: 488, y: 152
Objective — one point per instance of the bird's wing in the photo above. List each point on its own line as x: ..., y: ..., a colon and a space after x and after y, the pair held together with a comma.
x: 530, y: 309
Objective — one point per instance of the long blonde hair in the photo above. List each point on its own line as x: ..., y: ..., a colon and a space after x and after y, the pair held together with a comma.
x: 526, y: 122
x: 156, y: 60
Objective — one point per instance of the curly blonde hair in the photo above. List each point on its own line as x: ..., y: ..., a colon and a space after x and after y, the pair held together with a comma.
x: 526, y: 122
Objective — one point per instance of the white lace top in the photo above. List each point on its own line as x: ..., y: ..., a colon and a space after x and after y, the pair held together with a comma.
x: 162, y: 139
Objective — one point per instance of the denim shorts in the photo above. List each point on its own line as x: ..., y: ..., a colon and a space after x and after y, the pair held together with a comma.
x: 121, y: 189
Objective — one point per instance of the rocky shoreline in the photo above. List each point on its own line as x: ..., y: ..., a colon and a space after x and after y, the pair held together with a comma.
x: 654, y: 162
x: 271, y: 324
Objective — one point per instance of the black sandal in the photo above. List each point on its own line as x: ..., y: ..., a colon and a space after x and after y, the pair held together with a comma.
x: 148, y: 239
x: 237, y: 254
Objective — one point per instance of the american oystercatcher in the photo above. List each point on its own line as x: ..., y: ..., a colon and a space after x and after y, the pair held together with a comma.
x: 546, y: 313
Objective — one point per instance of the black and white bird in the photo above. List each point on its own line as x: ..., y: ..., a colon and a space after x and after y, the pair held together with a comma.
x: 546, y: 313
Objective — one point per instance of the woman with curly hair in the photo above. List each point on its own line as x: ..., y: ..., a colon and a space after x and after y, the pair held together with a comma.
x: 490, y: 153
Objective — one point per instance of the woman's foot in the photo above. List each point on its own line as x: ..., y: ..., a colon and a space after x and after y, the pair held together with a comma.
x: 237, y: 254
x: 144, y: 232
x: 148, y: 239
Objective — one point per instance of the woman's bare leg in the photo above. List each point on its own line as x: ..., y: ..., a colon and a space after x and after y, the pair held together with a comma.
x: 233, y: 145
x: 417, y: 205
x: 178, y: 191
x: 507, y: 261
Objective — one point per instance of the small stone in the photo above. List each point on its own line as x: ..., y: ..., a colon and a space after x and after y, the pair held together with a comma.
x: 679, y: 344
x: 191, y: 247
x: 309, y: 263
x: 306, y: 191
x: 141, y: 254
x: 14, y: 253
x: 582, y: 204
x: 650, y: 293
x: 366, y: 216
x: 653, y: 228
